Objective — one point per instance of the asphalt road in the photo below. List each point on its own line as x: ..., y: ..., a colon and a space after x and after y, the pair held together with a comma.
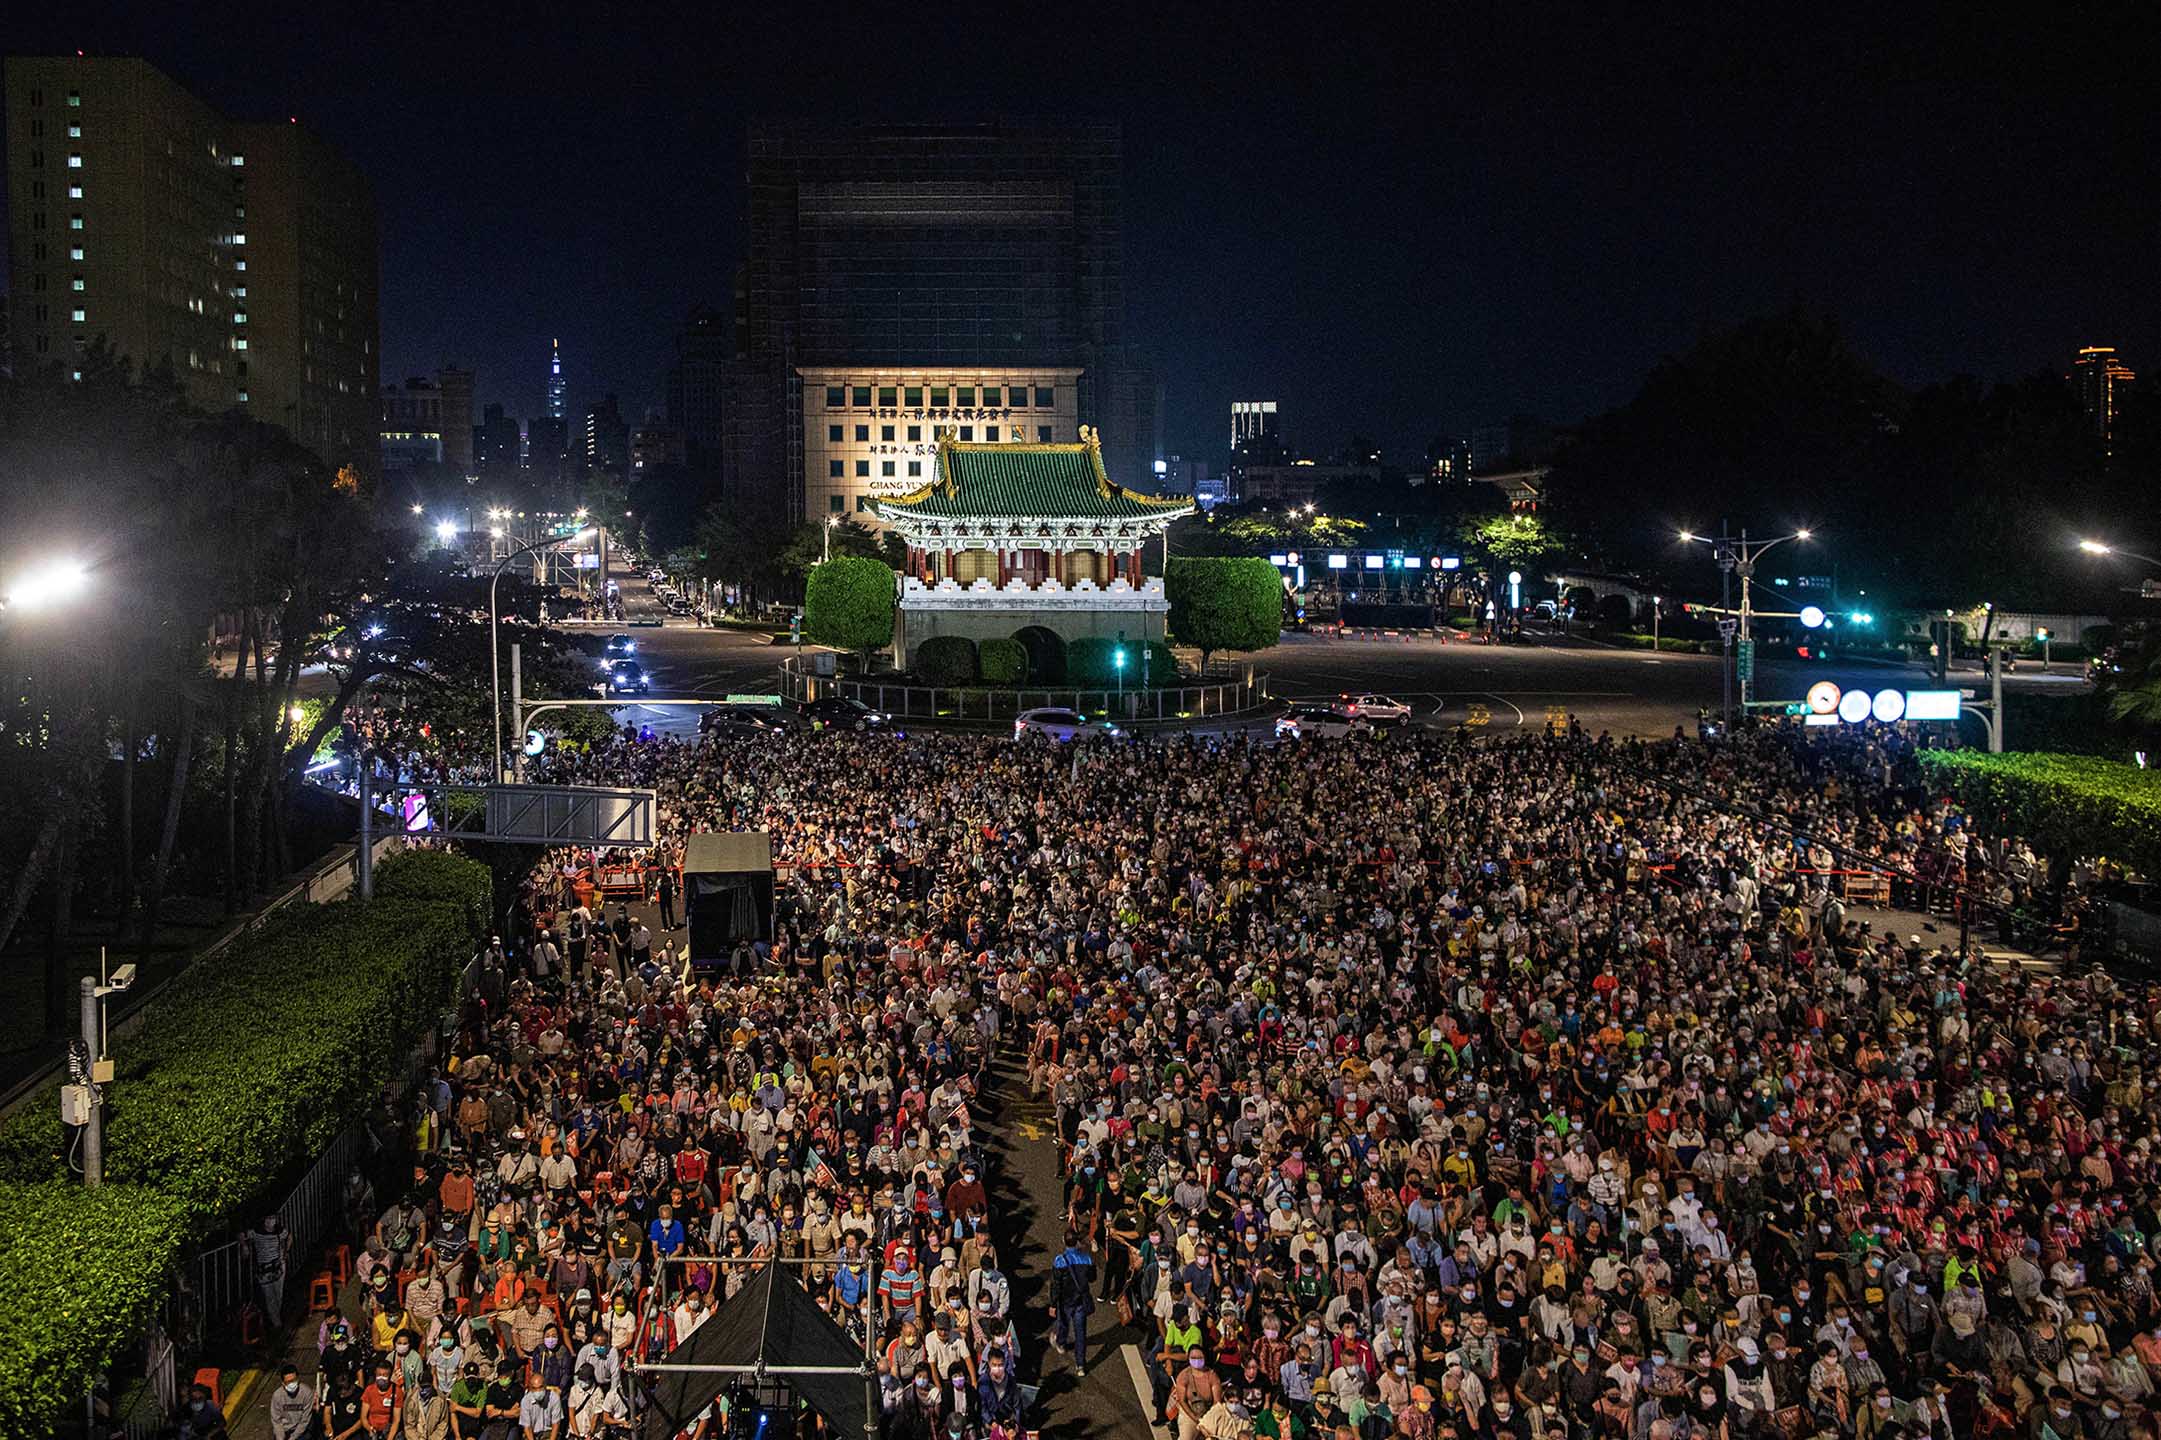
x: 1451, y: 683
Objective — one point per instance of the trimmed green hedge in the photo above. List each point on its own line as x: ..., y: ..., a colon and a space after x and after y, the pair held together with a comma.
x: 264, y: 1054
x: 945, y: 660
x: 1091, y: 663
x: 79, y: 1270
x: 1003, y: 662
x: 2071, y: 804
x: 250, y: 1062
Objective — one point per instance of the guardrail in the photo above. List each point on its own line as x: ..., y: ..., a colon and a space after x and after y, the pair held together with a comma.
x: 1245, y: 690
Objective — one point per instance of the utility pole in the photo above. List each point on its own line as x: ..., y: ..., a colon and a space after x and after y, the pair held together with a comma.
x: 1995, y: 699
x: 1725, y: 602
x: 93, y: 1128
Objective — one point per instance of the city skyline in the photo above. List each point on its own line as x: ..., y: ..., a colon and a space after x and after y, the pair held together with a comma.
x: 1582, y: 197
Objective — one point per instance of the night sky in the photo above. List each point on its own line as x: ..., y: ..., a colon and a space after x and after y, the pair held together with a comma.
x: 1392, y: 228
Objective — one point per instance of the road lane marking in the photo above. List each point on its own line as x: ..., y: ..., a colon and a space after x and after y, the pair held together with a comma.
x: 1510, y: 704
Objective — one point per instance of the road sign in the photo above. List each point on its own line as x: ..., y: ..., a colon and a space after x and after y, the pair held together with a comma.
x: 1726, y: 629
x: 1744, y: 663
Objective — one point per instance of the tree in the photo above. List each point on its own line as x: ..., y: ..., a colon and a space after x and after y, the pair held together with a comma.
x: 848, y: 604
x: 1224, y: 604
x: 1513, y: 539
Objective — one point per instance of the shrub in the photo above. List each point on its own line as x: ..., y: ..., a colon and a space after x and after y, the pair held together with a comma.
x: 79, y: 1271
x: 1046, y: 655
x: 1004, y: 662
x: 1088, y: 662
x: 2070, y: 804
x: 945, y: 660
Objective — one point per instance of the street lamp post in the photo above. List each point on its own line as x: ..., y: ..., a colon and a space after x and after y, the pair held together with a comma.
x: 495, y: 664
x: 830, y: 522
x: 1739, y: 557
x: 1654, y: 624
x: 2095, y: 547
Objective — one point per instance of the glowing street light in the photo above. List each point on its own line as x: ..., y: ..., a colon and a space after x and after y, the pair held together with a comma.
x: 830, y: 522
x: 2095, y: 547
x: 420, y: 509
x: 446, y: 531
x: 1739, y: 555
x: 48, y: 585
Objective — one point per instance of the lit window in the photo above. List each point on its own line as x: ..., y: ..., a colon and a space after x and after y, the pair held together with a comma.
x: 990, y: 432
x: 239, y: 160
x: 75, y: 161
x: 914, y: 394
x: 240, y: 292
x: 240, y: 237
x: 835, y: 396
x: 77, y: 285
x: 835, y: 468
x: 862, y: 397
x: 862, y: 468
x: 885, y: 467
x: 75, y: 192
x: 862, y: 434
x: 240, y: 342
x: 242, y: 397
x: 990, y: 394
x: 75, y: 222
x: 75, y: 99
x: 1042, y: 434
x: 75, y: 252
x: 915, y: 432
x: 1043, y: 398
x: 75, y: 375
x: 964, y: 395
x: 885, y: 432
x: 81, y: 315
x: 240, y: 317
x: 832, y: 434
x: 915, y: 468
x: 888, y: 396
x: 75, y: 132
x: 967, y: 432
x: 240, y: 264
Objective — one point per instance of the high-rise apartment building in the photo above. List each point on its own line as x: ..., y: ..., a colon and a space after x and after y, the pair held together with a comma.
x: 546, y: 454
x: 986, y: 256
x: 605, y: 438
x: 429, y: 422
x: 696, y: 380
x: 240, y: 256
x: 2095, y: 374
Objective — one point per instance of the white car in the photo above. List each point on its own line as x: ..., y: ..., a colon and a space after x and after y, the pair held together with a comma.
x: 1377, y: 708
x: 1060, y: 724
x: 1329, y: 721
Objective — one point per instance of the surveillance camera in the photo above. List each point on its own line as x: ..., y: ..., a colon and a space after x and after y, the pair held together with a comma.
x: 122, y: 978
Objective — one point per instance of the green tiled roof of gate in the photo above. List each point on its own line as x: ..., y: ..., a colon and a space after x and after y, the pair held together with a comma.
x: 983, y: 481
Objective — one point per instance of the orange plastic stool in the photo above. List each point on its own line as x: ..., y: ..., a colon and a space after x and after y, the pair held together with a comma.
x: 341, y: 1261
x: 323, y: 1292
x: 210, y: 1378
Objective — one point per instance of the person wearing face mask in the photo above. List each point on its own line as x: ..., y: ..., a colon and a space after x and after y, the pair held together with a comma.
x: 292, y: 1406
x: 426, y: 1415
x: 551, y: 1360
x: 998, y: 1391
x: 380, y: 1405
x: 1193, y: 1394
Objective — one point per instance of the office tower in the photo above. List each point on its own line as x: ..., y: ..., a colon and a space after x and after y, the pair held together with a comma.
x: 2095, y: 374
x: 457, y: 390
x: 412, y: 425
x: 983, y: 258
x: 697, y: 375
x: 605, y: 442
x: 547, y: 454
x: 557, y: 389
x: 240, y: 256
x: 496, y: 445
x: 654, y: 444
x: 1253, y: 425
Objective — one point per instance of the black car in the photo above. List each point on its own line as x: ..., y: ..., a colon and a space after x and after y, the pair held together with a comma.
x: 841, y: 712
x: 628, y: 677
x: 745, y: 719
x: 619, y: 647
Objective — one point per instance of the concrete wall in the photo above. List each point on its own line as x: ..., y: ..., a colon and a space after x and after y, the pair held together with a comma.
x: 979, y: 625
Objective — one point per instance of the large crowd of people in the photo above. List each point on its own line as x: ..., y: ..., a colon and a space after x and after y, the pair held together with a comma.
x: 1405, y: 1086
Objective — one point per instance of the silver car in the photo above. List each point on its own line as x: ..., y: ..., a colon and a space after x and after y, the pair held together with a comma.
x: 1060, y: 724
